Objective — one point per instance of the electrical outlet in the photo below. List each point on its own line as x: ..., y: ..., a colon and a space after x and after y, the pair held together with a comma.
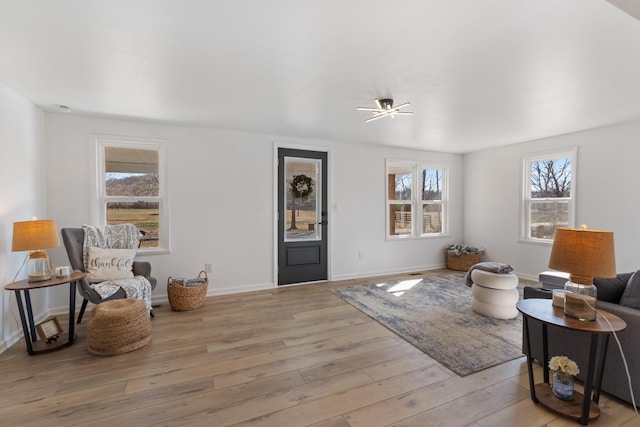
x: 208, y: 267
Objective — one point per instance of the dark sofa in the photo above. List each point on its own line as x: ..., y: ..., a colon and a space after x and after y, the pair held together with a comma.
x: 620, y: 296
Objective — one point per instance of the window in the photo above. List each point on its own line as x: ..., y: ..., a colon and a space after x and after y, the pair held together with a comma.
x: 549, y: 194
x: 131, y: 183
x: 416, y: 199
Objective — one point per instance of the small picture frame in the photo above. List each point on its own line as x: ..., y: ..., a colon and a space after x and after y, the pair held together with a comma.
x: 49, y: 330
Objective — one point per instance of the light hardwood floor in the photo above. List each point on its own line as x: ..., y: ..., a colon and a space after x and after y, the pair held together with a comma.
x: 296, y: 356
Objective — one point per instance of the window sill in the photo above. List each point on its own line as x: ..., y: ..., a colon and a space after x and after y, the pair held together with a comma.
x: 424, y: 237
x: 538, y: 242
x: 153, y: 251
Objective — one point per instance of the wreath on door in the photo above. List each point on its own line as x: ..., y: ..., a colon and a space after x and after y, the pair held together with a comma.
x: 301, y: 187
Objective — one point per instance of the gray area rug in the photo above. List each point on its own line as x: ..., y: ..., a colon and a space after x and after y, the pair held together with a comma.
x: 434, y: 314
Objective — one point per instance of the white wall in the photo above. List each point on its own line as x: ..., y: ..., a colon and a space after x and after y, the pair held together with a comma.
x: 210, y: 222
x: 22, y: 162
x: 221, y: 189
x: 606, y: 194
x: 359, y: 216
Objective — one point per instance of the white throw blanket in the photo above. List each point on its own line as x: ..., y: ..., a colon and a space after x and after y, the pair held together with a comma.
x: 121, y: 236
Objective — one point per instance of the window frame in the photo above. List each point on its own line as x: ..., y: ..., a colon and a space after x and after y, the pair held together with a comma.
x: 416, y: 202
x: 527, y: 201
x: 100, y: 199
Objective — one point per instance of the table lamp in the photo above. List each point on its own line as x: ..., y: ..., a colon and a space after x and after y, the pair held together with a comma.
x: 584, y: 254
x: 35, y: 236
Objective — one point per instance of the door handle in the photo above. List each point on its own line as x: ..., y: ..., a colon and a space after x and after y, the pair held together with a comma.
x: 323, y: 223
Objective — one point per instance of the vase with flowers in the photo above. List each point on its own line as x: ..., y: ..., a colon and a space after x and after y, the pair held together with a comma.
x: 564, y: 369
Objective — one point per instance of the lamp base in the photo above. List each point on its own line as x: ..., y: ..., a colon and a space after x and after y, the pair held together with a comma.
x: 39, y: 277
x: 580, y: 301
x: 39, y: 266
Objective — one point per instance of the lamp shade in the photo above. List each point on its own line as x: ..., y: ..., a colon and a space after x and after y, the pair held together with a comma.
x: 583, y: 253
x: 34, y: 235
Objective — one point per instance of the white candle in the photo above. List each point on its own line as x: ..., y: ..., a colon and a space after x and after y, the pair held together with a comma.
x: 558, y: 297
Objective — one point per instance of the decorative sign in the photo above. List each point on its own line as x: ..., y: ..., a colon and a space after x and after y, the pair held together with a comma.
x: 49, y: 330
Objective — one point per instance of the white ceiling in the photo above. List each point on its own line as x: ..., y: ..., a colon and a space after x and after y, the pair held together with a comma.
x: 478, y: 73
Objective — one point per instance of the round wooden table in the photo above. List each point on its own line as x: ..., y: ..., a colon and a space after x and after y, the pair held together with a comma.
x: 583, y: 407
x: 26, y: 312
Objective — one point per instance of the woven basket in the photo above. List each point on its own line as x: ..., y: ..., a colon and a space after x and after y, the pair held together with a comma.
x: 185, y: 298
x: 462, y: 262
x: 118, y: 326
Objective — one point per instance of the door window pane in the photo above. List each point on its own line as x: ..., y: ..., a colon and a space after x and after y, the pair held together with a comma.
x: 302, y: 198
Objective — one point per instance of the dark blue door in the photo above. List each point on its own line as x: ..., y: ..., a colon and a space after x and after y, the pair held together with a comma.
x: 302, y: 216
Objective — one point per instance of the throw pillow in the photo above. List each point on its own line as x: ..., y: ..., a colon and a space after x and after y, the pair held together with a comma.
x: 109, y: 264
x: 631, y: 294
x: 611, y: 290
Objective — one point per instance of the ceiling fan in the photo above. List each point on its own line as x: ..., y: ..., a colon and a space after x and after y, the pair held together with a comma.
x: 385, y: 109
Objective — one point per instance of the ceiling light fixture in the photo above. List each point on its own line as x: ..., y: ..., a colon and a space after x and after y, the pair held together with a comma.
x: 385, y: 109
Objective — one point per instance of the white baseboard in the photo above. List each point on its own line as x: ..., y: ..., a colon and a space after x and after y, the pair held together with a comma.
x: 526, y: 276
x: 387, y: 272
x: 216, y: 291
x: 212, y: 291
x: 17, y: 335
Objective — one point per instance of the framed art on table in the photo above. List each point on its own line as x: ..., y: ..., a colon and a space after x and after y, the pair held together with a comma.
x: 49, y: 329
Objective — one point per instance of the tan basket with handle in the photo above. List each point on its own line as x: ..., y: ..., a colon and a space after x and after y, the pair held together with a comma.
x: 462, y: 262
x: 185, y: 298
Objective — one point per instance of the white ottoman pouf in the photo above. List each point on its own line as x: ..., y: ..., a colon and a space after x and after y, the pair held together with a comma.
x: 494, y: 280
x: 494, y: 295
x: 496, y: 303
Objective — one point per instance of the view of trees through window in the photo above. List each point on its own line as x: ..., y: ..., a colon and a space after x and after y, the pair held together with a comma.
x: 143, y: 214
x: 432, y: 200
x: 400, y: 208
x: 431, y: 184
x: 428, y: 200
x: 550, y: 194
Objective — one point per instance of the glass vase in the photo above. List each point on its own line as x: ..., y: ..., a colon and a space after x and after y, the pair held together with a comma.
x: 562, y: 386
x: 580, y: 301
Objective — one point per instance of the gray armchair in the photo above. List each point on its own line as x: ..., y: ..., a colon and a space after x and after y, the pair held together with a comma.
x: 73, y: 239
